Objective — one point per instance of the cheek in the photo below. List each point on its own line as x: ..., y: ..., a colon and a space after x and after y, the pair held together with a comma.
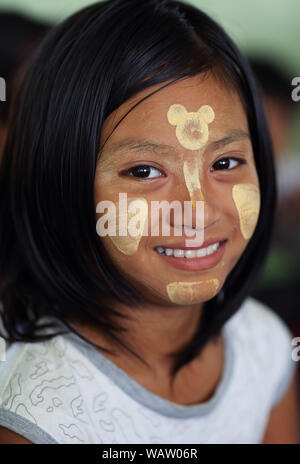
x: 124, y: 224
x: 247, y: 201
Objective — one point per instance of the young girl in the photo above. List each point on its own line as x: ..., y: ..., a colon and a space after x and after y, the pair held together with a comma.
x: 139, y: 337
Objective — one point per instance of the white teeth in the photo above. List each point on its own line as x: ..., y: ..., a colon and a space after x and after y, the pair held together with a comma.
x: 210, y: 249
x: 197, y: 253
x: 178, y: 253
x: 202, y: 252
x: 190, y: 253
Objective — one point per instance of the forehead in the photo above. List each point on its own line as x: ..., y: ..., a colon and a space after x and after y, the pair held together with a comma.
x: 149, y: 118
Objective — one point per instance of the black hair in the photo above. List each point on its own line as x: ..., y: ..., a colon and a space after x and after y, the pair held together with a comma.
x: 20, y: 35
x: 52, y: 261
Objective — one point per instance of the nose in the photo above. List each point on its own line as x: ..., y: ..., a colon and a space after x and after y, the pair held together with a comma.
x: 190, y: 189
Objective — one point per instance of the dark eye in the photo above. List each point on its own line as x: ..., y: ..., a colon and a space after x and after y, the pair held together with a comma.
x: 227, y: 164
x: 144, y: 171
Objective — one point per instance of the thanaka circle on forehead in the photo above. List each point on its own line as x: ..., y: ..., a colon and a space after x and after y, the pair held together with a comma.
x: 191, y: 127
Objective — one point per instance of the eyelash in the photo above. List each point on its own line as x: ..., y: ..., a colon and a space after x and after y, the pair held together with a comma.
x: 143, y: 166
x: 239, y: 160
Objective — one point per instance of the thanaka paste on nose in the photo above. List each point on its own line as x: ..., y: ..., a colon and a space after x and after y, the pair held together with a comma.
x: 247, y: 200
x: 191, y: 171
x: 192, y: 292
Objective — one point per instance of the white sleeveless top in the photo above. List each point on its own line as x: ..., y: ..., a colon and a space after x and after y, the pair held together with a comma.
x: 65, y: 391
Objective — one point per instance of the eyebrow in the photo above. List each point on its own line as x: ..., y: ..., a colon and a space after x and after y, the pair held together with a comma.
x: 235, y: 136
x: 137, y: 145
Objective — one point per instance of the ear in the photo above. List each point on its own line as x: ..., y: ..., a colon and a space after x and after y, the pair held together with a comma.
x: 175, y: 114
x: 207, y: 113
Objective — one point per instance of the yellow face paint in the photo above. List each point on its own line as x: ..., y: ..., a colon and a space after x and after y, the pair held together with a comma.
x: 191, y: 175
x: 247, y: 200
x: 192, y: 292
x: 191, y: 127
x: 128, y: 244
x: 192, y: 133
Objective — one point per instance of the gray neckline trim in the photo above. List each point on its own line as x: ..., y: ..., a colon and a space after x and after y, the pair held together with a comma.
x: 25, y: 428
x: 145, y: 397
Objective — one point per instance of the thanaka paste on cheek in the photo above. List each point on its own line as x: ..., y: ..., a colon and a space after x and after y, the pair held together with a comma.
x: 192, y: 292
x: 247, y: 200
x: 191, y: 127
x: 129, y: 244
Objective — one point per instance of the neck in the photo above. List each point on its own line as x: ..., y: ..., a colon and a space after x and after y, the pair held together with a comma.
x: 153, y: 332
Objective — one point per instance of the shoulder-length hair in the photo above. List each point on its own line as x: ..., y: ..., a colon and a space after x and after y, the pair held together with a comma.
x: 52, y: 261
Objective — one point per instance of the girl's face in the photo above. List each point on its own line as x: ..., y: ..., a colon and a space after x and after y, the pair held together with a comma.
x: 188, y: 142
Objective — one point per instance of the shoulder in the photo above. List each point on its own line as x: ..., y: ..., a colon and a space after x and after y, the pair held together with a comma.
x: 37, y: 380
x: 262, y: 335
x: 51, y: 391
x: 8, y: 437
x: 255, y: 319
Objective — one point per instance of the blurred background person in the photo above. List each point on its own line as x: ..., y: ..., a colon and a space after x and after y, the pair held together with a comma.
x: 280, y: 286
x: 20, y: 36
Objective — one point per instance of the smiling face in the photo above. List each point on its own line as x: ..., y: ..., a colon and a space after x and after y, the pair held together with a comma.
x: 188, y: 142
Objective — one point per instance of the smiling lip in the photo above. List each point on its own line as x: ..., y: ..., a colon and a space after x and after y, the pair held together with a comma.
x: 181, y: 245
x: 195, y: 264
